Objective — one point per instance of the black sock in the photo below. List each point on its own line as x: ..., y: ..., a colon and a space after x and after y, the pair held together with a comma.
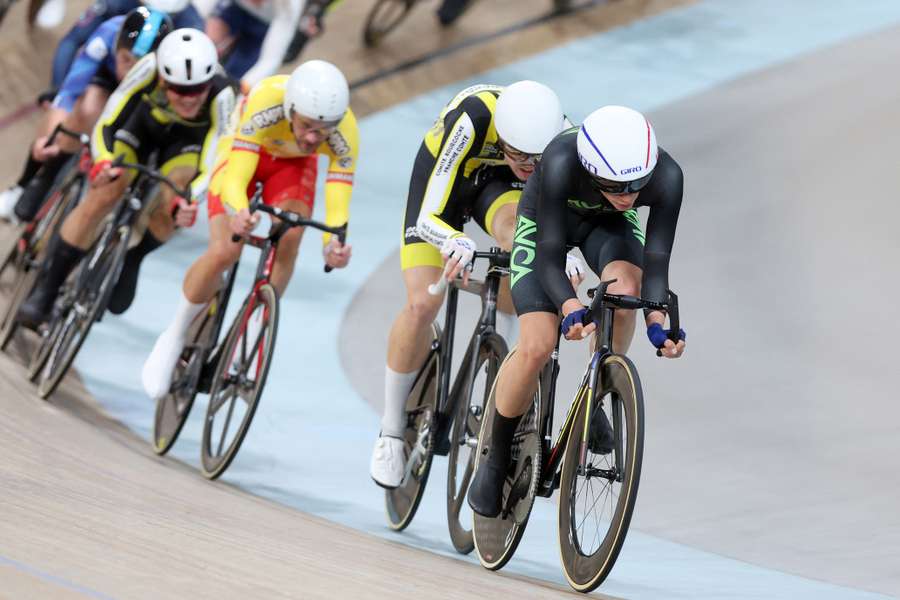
x: 502, y: 431
x: 36, y: 191
x: 64, y: 258
x: 123, y: 293
x: 31, y: 168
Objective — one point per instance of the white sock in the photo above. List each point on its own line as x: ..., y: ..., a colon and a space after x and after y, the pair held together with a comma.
x: 508, y: 328
x: 184, y: 315
x: 396, y: 390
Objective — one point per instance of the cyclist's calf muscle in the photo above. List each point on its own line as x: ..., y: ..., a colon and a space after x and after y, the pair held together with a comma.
x: 410, y: 335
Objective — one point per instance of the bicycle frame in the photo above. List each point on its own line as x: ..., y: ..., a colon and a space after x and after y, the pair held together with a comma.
x: 488, y: 290
x: 604, y: 304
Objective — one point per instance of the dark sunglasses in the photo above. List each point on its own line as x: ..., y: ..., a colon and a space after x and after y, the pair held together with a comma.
x: 188, y: 90
x: 518, y: 156
x: 621, y: 187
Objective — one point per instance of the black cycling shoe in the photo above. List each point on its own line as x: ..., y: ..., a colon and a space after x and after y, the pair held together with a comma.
x: 35, y: 311
x: 486, y: 490
x: 451, y: 10
x: 601, y: 439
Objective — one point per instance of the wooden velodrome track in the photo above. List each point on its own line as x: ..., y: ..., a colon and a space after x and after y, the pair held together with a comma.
x: 84, y: 504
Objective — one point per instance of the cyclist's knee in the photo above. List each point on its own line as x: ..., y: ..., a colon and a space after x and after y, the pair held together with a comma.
x: 224, y: 253
x: 627, y: 278
x: 535, y: 348
x: 423, y: 307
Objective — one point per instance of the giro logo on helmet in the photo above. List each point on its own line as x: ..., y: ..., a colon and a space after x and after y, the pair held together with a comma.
x: 636, y: 169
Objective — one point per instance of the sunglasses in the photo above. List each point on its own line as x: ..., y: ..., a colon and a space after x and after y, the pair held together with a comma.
x: 517, y: 156
x: 188, y: 90
x: 621, y: 187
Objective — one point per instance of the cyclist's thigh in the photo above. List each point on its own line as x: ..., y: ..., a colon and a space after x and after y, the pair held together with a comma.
x: 615, y: 237
x: 528, y: 294
x: 414, y: 251
x: 288, y: 183
x: 495, y: 210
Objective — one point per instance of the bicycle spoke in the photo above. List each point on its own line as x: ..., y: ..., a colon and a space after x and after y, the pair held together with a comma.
x: 227, y: 423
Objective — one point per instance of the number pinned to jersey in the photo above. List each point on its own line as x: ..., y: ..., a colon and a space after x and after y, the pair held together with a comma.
x: 96, y: 49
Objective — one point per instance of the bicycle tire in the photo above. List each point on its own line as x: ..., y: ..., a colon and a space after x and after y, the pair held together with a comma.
x: 585, y: 569
x: 95, y: 290
x: 467, y: 426
x: 383, y: 18
x: 496, y: 539
x: 402, y: 502
x: 214, y: 464
x: 10, y: 249
x: 28, y: 250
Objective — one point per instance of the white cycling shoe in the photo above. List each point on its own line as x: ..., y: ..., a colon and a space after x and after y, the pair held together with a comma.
x: 388, y: 462
x: 156, y: 375
x: 8, y: 200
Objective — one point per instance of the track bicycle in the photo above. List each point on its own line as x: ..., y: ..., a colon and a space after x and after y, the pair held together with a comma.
x: 83, y: 298
x: 598, y: 488
x: 233, y: 372
x: 444, y: 419
x: 25, y: 250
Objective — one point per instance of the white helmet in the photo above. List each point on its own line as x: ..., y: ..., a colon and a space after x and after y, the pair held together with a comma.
x: 167, y: 6
x: 528, y: 115
x: 318, y: 90
x: 617, y: 146
x: 187, y: 57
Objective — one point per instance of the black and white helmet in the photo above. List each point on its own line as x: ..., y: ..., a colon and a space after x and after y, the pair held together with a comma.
x: 187, y: 57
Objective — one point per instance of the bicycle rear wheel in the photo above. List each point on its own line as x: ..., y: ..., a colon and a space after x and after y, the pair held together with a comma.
x: 598, y: 491
x: 383, y: 18
x: 402, y: 502
x: 464, y: 440
x: 81, y: 310
x: 172, y: 410
x: 239, y: 381
x: 496, y: 539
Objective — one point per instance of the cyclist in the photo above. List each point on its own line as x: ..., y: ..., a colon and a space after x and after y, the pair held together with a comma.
x: 108, y: 55
x: 311, y: 25
x: 175, y: 104
x: 182, y: 13
x: 285, y: 124
x: 473, y: 161
x: 253, y: 36
x: 583, y: 193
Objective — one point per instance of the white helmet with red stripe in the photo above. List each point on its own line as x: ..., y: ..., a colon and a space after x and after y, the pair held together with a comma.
x: 617, y: 146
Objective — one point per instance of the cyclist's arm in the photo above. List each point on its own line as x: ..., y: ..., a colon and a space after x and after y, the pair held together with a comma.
x: 464, y: 132
x: 275, y: 43
x: 342, y: 149
x: 665, y: 203
x: 82, y: 71
x: 80, y: 33
x: 243, y: 157
x: 220, y: 112
x: 109, y: 133
x: 554, y: 172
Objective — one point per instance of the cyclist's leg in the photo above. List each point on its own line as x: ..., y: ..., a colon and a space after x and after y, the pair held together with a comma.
x: 181, y: 169
x: 615, y: 250
x: 221, y: 26
x: 517, y: 380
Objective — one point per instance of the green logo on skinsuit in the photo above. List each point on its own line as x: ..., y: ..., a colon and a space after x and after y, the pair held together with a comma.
x: 523, y: 249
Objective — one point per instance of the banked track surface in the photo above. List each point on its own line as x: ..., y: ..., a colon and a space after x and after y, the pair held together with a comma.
x: 89, y: 511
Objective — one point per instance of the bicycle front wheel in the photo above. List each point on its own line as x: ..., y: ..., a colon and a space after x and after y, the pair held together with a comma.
x: 71, y: 328
x: 598, y: 491
x: 384, y: 17
x: 239, y: 380
x: 464, y: 440
x: 402, y: 502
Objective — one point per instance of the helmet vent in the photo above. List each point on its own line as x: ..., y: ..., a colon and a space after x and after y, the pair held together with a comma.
x: 187, y: 37
x: 167, y: 70
x: 187, y: 67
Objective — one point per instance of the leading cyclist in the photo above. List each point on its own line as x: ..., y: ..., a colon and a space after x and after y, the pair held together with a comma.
x: 583, y: 193
x: 473, y: 161
x: 285, y: 124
